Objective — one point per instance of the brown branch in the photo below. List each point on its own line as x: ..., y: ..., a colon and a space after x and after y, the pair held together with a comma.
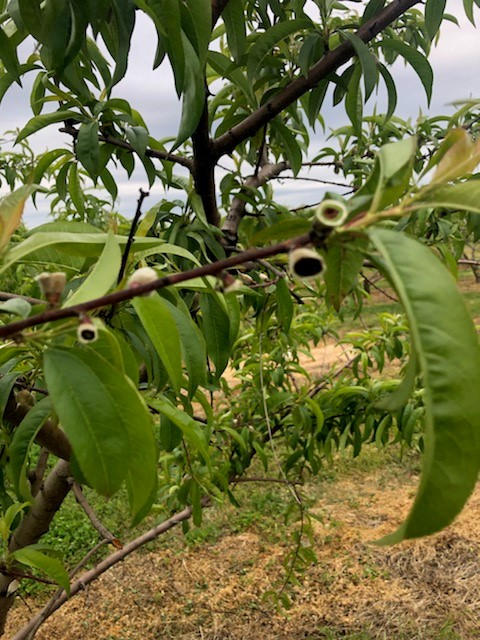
x: 237, y: 209
x: 14, y: 328
x: 25, y: 576
x: 50, y: 435
x: 103, y: 566
x: 217, y: 7
x: 204, y: 167
x: 39, y: 471
x: 131, y: 234
x: 14, y: 296
x: 92, y: 516
x: 122, y: 144
x: 329, y: 63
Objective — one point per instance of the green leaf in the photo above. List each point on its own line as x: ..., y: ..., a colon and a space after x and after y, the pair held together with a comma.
x: 398, y: 398
x: 291, y: 148
x: 138, y: 138
x: 102, y: 414
x: 216, y: 330
x: 234, y: 20
x: 158, y: 322
x: 193, y: 431
x: 167, y: 18
x: 7, y: 382
x: 391, y: 91
x: 30, y: 557
x: 193, y: 94
x: 391, y: 175
x: 371, y: 10
x: 417, y: 60
x: 42, y: 121
x: 74, y: 244
x: 464, y: 196
x: 284, y: 305
x: 434, y: 10
x: 223, y: 66
x: 23, y: 438
x: 354, y: 102
x: 8, y: 55
x: 119, y: 36
x: 170, y: 434
x: 18, y: 306
x: 448, y: 354
x: 193, y: 348
x: 88, y: 148
x: 367, y: 61
x: 201, y: 15
x: 468, y: 7
x: 75, y: 189
x: 343, y: 264
x: 281, y: 231
x: 266, y: 41
x: 103, y: 275
x: 11, y: 210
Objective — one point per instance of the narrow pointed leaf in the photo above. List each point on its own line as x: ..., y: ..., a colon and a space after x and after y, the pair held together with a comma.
x: 162, y: 330
x: 23, y: 437
x: 448, y: 354
x: 343, y: 264
x: 103, y: 275
x: 234, y: 20
x: 417, y: 60
x: 464, y: 196
x: 192, y: 430
x: 52, y: 567
x: 42, y: 121
x: 434, y: 10
x: 367, y: 61
x: 88, y: 148
x: 11, y: 210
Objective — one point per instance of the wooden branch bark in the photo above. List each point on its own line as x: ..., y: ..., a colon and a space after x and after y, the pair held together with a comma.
x: 237, y: 209
x: 331, y: 61
x: 204, y: 167
x: 50, y: 435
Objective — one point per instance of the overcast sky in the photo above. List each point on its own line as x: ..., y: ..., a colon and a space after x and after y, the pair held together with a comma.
x: 454, y: 61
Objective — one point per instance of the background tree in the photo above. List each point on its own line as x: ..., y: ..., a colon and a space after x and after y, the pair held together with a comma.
x: 104, y: 385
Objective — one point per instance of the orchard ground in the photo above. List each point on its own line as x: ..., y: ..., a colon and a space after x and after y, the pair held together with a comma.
x: 212, y: 584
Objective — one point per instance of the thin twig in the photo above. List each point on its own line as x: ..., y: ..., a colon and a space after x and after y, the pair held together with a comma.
x: 131, y: 234
x: 27, y: 576
x: 92, y: 516
x: 379, y: 289
x: 122, y: 144
x: 270, y: 480
x: 17, y: 296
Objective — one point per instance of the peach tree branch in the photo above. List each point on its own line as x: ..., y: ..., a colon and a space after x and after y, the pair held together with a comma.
x: 330, y: 62
x: 212, y: 269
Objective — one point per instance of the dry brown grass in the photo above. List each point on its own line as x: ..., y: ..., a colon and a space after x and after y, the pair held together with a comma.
x: 215, y: 592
